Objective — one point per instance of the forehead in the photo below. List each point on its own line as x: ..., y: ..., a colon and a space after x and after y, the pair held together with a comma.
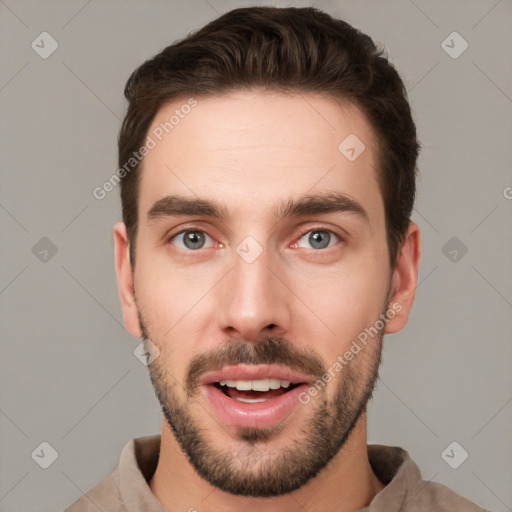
x: 258, y: 148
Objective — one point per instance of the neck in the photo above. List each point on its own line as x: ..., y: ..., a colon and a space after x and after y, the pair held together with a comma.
x: 346, y: 484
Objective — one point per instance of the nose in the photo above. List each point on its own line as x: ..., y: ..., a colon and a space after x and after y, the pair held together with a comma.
x: 253, y: 300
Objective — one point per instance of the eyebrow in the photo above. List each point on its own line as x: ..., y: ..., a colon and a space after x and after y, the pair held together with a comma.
x: 177, y: 205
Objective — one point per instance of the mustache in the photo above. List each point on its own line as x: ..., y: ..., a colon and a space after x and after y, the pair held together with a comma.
x: 267, y: 350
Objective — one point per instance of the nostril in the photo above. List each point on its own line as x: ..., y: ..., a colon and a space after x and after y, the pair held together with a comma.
x: 270, y: 326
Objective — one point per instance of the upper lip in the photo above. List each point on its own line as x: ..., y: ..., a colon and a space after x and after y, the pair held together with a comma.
x: 254, y: 372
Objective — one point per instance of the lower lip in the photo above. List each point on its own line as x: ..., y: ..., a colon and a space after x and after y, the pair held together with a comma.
x: 256, y: 415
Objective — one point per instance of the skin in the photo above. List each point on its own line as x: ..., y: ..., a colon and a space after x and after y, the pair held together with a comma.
x: 249, y: 151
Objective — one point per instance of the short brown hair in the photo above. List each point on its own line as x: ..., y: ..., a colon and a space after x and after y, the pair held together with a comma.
x: 280, y: 49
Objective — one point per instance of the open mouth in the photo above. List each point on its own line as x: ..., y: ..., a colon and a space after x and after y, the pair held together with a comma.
x: 254, y: 391
x: 255, y: 396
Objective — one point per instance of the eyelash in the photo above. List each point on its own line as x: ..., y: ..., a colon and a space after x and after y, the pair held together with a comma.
x: 305, y: 232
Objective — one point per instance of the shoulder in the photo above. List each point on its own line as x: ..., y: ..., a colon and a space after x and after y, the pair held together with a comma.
x: 405, y: 488
x: 128, y: 483
x: 439, y: 497
x: 104, y: 496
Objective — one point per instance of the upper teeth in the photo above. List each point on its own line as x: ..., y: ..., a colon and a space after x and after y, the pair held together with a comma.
x: 255, y: 385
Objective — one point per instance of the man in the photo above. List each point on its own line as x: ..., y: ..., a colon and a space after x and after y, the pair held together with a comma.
x: 267, y: 167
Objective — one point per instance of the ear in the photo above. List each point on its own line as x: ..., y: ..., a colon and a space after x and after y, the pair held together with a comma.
x: 405, y: 279
x: 124, y: 273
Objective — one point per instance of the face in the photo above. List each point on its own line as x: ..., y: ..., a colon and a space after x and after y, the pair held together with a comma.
x: 261, y: 258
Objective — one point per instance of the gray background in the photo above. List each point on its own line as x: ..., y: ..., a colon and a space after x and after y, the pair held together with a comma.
x: 68, y: 373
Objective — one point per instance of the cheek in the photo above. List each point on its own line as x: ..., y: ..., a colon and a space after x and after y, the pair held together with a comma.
x: 343, y: 303
x: 173, y: 302
x: 169, y: 291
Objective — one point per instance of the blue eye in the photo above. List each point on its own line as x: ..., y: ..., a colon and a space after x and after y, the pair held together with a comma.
x: 318, y: 238
x: 191, y: 239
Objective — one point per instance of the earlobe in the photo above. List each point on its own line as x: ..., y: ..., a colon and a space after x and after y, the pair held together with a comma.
x: 125, y: 276
x: 405, y: 279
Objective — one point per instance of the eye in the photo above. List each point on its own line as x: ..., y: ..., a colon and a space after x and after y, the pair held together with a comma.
x: 191, y: 239
x: 318, y: 239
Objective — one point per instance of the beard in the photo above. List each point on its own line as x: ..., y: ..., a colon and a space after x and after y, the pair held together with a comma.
x: 252, y: 468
